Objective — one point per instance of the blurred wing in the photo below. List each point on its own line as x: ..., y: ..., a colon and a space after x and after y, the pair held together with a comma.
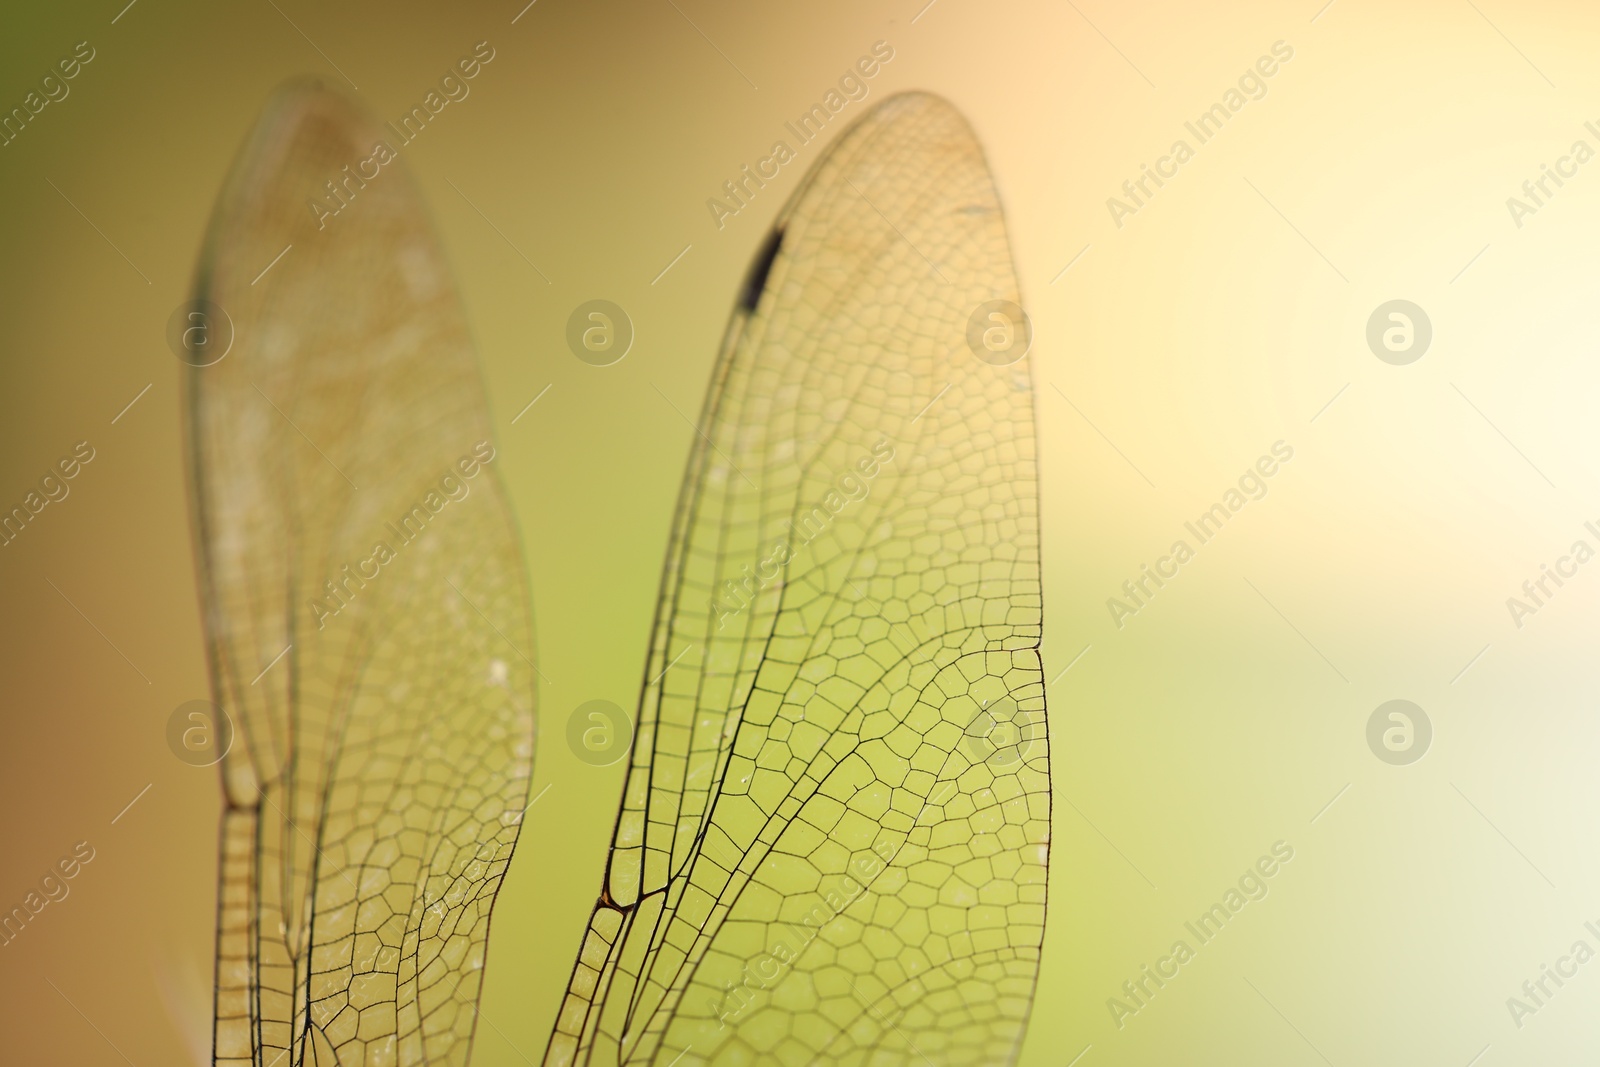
x: 347, y: 510
x: 833, y: 839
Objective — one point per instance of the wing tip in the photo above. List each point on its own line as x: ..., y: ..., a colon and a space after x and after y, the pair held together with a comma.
x: 916, y: 105
x: 307, y: 94
x: 293, y: 110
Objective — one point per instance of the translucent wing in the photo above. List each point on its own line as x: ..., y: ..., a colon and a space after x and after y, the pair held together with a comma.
x: 832, y: 843
x: 347, y: 509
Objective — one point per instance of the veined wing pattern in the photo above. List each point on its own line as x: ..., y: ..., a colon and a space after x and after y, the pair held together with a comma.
x: 826, y: 850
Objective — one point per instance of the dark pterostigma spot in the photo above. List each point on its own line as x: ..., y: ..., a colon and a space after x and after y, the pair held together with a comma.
x: 760, y: 267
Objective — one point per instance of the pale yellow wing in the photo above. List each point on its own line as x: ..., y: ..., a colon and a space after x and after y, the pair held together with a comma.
x: 348, y: 509
x: 833, y: 840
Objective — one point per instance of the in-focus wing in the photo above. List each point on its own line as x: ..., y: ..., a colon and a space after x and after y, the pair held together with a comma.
x: 347, y: 508
x: 833, y: 839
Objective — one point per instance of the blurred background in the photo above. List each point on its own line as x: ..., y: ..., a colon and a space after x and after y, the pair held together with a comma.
x: 1174, y: 344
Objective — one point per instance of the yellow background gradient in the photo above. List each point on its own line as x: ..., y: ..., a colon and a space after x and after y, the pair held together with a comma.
x: 1220, y: 318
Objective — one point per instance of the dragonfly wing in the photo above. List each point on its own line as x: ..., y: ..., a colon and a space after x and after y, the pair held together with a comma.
x: 833, y: 839
x: 347, y: 509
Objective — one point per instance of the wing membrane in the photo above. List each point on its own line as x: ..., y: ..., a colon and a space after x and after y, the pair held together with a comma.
x: 813, y: 861
x: 347, y: 509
